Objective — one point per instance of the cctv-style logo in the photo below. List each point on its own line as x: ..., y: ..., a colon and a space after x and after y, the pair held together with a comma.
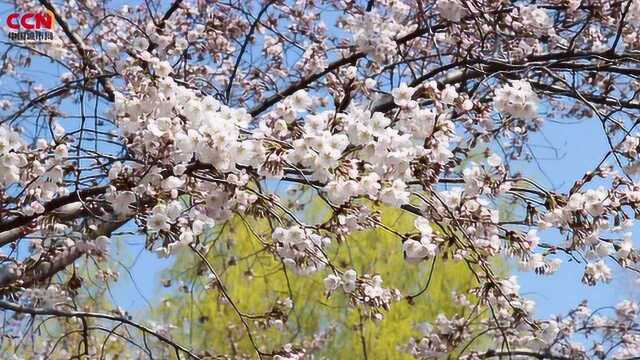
x: 31, y: 26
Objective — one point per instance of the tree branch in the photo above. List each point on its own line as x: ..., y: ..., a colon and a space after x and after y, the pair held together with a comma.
x: 80, y: 314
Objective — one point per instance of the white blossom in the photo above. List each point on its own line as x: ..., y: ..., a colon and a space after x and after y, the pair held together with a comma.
x: 517, y: 99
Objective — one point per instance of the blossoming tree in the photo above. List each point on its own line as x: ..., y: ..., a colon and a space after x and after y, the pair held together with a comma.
x: 173, y: 120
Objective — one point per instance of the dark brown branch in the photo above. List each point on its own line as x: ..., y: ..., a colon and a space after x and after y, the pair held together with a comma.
x: 80, y: 314
x: 303, y: 83
x: 176, y: 4
x: 500, y: 354
x: 82, y: 51
x: 76, y: 196
x: 48, y: 268
x: 254, y: 25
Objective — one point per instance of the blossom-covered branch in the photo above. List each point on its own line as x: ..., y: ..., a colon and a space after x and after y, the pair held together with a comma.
x: 167, y: 122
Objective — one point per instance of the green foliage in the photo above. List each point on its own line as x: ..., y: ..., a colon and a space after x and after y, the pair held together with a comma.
x: 255, y: 281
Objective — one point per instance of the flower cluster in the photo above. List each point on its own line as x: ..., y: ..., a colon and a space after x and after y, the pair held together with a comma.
x: 417, y: 250
x: 365, y: 290
x: 10, y: 159
x: 452, y: 10
x: 536, y: 20
x: 376, y: 34
x: 438, y: 339
x: 198, y: 127
x: 300, y: 249
x: 517, y: 99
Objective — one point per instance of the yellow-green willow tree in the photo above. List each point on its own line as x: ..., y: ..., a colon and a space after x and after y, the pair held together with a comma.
x: 255, y: 282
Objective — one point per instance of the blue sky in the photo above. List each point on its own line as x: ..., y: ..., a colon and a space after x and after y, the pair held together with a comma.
x: 580, y: 146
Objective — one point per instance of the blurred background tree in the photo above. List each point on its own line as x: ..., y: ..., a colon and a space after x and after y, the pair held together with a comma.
x: 255, y: 281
